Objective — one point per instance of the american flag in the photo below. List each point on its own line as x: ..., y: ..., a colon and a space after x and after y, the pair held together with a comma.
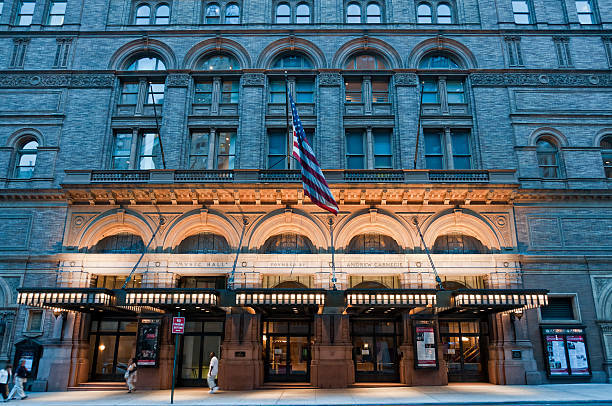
x: 314, y: 183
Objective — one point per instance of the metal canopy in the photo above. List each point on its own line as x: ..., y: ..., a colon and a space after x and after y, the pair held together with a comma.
x: 292, y: 301
x: 85, y: 300
x: 495, y: 300
x: 174, y: 299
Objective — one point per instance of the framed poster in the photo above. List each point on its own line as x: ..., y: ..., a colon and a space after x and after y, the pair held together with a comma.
x: 147, y: 342
x: 425, y: 345
x: 566, y: 351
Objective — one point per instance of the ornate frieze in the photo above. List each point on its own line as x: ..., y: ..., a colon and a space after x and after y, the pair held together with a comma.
x: 542, y: 79
x: 330, y: 79
x: 178, y: 80
x: 405, y: 79
x: 253, y: 79
x: 29, y: 80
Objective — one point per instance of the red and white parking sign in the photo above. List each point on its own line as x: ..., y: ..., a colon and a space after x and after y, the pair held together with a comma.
x: 178, y: 325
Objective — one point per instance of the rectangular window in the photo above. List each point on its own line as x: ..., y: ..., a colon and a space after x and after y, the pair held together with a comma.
x: 460, y: 141
x: 278, y: 92
x: 198, y: 150
x: 380, y: 90
x: 520, y: 8
x: 57, y: 10
x: 455, y: 92
x: 227, y: 150
x: 129, y: 93
x: 122, y: 150
x: 155, y: 93
x: 564, y: 57
x: 1, y: 7
x: 304, y: 91
x: 35, y: 321
x: 434, y: 153
x: 355, y: 149
x: 383, y: 158
x: 20, y: 45
x: 62, y: 53
x: 149, y: 156
x: 584, y: 9
x: 558, y: 308
x: 26, y: 11
x: 277, y: 149
x: 430, y: 92
x: 203, y: 93
x: 513, y: 46
x: 353, y: 90
x: 229, y: 91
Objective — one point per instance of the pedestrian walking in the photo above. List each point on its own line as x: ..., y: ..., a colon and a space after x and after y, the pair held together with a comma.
x: 213, y: 370
x: 5, y: 377
x: 131, y: 375
x: 20, y: 378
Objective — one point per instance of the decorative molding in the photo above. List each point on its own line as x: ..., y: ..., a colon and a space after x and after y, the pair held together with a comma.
x: 178, y: 80
x: 253, y: 79
x: 405, y: 79
x: 330, y: 79
x: 601, y: 284
x: 543, y: 79
x: 29, y: 80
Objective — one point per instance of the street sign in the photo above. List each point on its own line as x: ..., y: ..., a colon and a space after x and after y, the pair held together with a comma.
x: 178, y: 325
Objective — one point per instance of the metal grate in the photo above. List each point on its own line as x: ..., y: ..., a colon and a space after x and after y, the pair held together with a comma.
x: 374, y: 176
x: 280, y: 176
x: 458, y: 176
x: 119, y: 176
x: 204, y: 176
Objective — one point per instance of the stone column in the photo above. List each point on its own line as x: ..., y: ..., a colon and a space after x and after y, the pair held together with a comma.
x: 173, y: 121
x: 443, y: 96
x: 216, y: 96
x: 331, y: 365
x: 241, y: 363
x: 160, y: 377
x: 411, y: 376
x: 448, y: 146
x: 367, y: 95
x: 251, y: 132
x: 369, y: 148
x: 143, y: 89
x: 406, y: 108
x: 329, y: 142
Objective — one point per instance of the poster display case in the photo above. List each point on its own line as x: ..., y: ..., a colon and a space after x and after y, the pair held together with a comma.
x: 566, y: 352
x: 425, y: 344
x: 148, y: 341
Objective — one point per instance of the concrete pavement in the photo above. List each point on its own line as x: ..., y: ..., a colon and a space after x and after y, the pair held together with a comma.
x: 453, y: 394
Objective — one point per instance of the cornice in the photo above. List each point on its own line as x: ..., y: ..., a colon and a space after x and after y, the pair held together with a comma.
x: 54, y: 80
x: 569, y: 79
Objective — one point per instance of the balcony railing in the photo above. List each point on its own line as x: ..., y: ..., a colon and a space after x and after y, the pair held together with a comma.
x: 169, y: 176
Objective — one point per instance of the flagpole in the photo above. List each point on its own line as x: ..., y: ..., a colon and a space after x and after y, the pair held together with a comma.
x: 289, y: 135
x: 416, y: 148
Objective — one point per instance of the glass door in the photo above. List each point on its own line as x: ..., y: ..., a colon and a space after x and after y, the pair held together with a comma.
x: 199, y: 340
x: 112, y: 343
x: 286, y: 348
x: 461, y: 343
x: 375, y: 351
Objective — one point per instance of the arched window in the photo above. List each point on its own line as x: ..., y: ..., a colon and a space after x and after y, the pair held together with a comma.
x: 290, y: 285
x: 372, y: 244
x: 373, y: 15
x: 302, y: 15
x: 365, y: 62
x: 353, y: 13
x: 162, y: 14
x: 444, y: 14
x: 143, y: 15
x: 424, y: 14
x: 203, y: 243
x: 458, y: 244
x: 232, y: 14
x: 219, y: 62
x: 438, y: 61
x: 606, y: 155
x: 283, y: 14
x: 548, y: 158
x: 146, y: 63
x: 122, y: 243
x: 288, y: 243
x: 292, y: 61
x: 213, y: 14
x: 25, y: 159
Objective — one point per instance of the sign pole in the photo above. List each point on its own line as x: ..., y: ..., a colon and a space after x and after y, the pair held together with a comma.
x: 176, y: 343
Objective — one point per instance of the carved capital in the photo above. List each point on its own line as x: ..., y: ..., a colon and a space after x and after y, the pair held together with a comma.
x: 178, y: 80
x: 405, y: 79
x: 253, y: 79
x: 330, y: 79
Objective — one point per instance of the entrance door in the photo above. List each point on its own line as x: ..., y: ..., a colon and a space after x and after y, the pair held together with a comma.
x: 200, y: 339
x: 112, y: 344
x: 461, y: 343
x: 375, y: 351
x: 286, y: 347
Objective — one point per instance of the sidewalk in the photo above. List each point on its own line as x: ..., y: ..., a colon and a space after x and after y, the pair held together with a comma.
x: 453, y: 394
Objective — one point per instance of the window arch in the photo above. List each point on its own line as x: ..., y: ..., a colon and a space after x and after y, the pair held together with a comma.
x: 143, y: 15
x: 302, y: 14
x: 456, y: 243
x: 606, y: 154
x: 288, y: 243
x: 232, y: 14
x: 365, y: 62
x: 203, y: 243
x: 25, y: 158
x: 145, y: 63
x: 424, y: 15
x: 353, y: 13
x: 373, y: 14
x: 121, y: 243
x: 548, y: 158
x: 372, y: 243
x: 219, y: 62
x: 292, y: 61
x: 162, y: 14
x: 444, y: 14
x: 283, y: 14
x: 438, y: 61
x: 212, y: 14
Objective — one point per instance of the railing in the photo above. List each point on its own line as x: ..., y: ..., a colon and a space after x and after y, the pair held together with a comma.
x: 374, y: 176
x: 459, y: 176
x: 119, y: 176
x: 280, y: 176
x: 204, y: 176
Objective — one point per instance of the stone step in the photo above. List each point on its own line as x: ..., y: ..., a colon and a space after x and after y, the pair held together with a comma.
x: 98, y: 386
x: 287, y: 385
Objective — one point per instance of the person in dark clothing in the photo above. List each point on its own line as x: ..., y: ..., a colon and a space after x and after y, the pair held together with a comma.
x: 21, y: 377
